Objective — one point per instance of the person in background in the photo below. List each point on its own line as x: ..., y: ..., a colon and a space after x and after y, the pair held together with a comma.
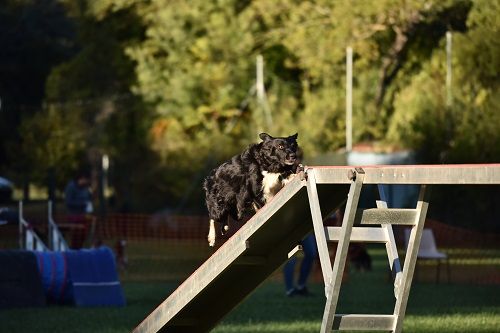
x: 78, y: 200
x: 77, y: 195
x: 310, y: 252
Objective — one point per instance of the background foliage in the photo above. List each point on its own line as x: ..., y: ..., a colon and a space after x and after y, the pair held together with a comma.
x: 167, y: 89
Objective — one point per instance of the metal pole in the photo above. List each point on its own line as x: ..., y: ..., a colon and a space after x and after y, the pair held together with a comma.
x: 449, y: 96
x: 348, y: 101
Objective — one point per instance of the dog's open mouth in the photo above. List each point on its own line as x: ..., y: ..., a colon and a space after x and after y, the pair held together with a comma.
x: 290, y: 161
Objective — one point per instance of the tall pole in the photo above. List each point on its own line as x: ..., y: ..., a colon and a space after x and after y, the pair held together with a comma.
x: 260, y: 77
x: 449, y: 96
x: 20, y: 217
x: 348, y: 100
x: 103, y: 172
x: 261, y: 92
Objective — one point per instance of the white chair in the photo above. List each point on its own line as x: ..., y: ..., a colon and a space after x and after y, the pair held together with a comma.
x: 428, y: 251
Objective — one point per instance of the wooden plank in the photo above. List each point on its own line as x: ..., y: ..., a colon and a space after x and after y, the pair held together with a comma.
x: 397, y: 216
x: 223, y: 281
x: 359, y: 234
x: 363, y: 322
x: 324, y: 254
x: 414, y: 174
x: 410, y: 261
x: 392, y: 253
x: 333, y: 287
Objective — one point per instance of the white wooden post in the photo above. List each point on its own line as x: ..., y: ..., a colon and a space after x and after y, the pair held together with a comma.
x: 348, y: 100
x: 449, y: 96
x: 261, y: 92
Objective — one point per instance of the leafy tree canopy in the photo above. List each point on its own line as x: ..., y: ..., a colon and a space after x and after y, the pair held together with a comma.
x: 175, y: 81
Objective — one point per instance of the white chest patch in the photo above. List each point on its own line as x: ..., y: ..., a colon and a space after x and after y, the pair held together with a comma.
x: 271, y: 184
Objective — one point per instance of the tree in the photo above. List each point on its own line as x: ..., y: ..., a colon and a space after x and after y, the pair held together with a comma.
x: 89, y: 110
x: 35, y: 36
x: 175, y: 81
x: 468, y: 131
x: 62, y: 147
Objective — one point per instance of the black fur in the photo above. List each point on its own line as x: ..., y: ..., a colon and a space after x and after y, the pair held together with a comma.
x: 235, y: 188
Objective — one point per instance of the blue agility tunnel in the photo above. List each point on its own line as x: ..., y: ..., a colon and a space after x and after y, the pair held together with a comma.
x: 53, y: 268
x: 81, y: 277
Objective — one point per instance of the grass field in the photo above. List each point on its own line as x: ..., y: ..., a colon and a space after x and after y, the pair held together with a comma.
x: 432, y: 308
x: 442, y: 308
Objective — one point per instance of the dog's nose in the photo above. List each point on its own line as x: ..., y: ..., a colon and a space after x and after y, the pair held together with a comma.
x: 292, y: 156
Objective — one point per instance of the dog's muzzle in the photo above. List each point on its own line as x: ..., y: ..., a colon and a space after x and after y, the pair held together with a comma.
x: 290, y: 160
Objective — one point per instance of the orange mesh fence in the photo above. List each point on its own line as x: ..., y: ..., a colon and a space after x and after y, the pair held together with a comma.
x: 170, y: 247
x: 140, y: 226
x: 449, y: 236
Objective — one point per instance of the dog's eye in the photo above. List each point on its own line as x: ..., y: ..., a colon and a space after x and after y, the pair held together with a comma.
x: 280, y: 146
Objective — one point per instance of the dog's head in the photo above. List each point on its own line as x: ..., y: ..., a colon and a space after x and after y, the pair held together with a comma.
x: 282, y: 151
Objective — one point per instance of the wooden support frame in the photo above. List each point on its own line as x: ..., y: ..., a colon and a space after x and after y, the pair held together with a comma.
x: 333, y: 287
x: 383, y: 216
x: 410, y: 261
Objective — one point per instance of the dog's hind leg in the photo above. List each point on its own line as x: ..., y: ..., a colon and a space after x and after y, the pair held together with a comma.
x: 211, y: 233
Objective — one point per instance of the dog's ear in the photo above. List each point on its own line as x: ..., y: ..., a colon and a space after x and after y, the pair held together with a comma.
x: 265, y: 136
x: 294, y: 137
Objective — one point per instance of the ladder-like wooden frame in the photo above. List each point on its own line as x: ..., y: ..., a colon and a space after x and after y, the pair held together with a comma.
x: 384, y: 217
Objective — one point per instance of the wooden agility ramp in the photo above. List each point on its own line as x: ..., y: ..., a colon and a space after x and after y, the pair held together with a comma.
x: 271, y: 236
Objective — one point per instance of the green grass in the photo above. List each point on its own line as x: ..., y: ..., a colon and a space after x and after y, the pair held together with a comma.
x: 442, y: 308
x: 141, y: 298
x: 432, y: 308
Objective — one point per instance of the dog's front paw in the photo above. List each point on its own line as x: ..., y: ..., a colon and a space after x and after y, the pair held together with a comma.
x: 300, y: 168
x: 211, y: 240
x: 211, y: 234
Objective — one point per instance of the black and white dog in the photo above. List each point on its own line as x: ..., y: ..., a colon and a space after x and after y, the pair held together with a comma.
x: 247, y: 181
